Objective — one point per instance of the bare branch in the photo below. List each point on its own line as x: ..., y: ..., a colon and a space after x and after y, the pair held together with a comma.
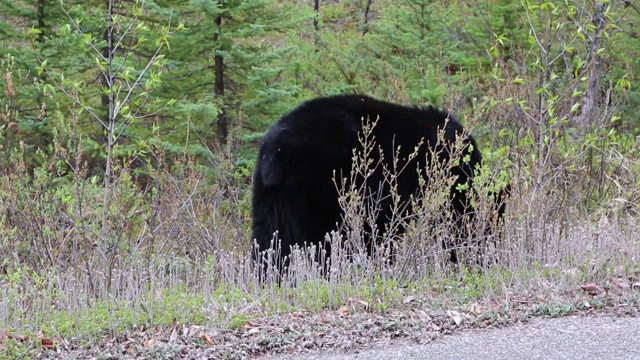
x: 77, y: 27
x: 139, y: 79
x: 74, y: 98
x: 124, y: 34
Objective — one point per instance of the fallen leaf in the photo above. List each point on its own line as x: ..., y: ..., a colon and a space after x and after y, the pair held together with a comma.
x: 455, y: 316
x: 474, y: 308
x: 299, y: 314
x: 4, y: 334
x: 250, y: 325
x: 206, y: 338
x: 193, y: 329
x: 47, y: 343
x: 408, y: 299
x: 620, y: 283
x: 343, y: 311
x: 149, y: 343
x: 174, y: 335
x: 591, y: 289
x: 423, y: 315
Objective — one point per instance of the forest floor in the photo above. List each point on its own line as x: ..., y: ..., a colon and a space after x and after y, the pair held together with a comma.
x: 350, y: 328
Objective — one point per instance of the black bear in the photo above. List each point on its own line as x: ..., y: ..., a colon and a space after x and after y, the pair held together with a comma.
x: 303, y: 157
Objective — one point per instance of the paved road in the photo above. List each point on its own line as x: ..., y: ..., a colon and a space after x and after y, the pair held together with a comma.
x: 565, y: 338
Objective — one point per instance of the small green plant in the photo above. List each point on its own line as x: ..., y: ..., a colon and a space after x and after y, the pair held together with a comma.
x: 553, y: 310
x: 237, y: 321
x: 165, y: 351
x: 15, y: 349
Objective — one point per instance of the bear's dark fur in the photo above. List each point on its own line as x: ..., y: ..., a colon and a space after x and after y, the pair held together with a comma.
x: 294, y: 186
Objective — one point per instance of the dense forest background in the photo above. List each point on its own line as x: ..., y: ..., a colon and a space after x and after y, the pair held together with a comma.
x: 129, y: 129
x: 186, y: 78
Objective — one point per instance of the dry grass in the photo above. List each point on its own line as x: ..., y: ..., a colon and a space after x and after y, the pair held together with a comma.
x: 181, y: 257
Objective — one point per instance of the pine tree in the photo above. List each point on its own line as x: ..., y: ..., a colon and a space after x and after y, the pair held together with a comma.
x: 26, y: 28
x: 223, y: 67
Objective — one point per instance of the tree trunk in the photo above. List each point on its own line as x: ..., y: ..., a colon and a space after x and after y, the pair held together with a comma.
x: 365, y: 29
x: 108, y: 250
x: 223, y: 120
x: 40, y: 16
x: 591, y: 114
x: 41, y: 23
x: 316, y: 9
